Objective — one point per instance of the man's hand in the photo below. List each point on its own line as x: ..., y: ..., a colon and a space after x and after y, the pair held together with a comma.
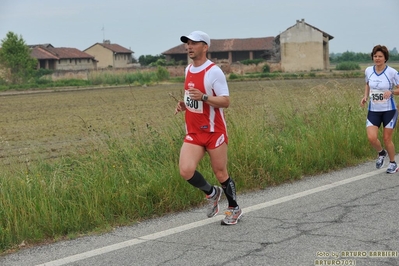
x: 180, y: 107
x: 195, y: 94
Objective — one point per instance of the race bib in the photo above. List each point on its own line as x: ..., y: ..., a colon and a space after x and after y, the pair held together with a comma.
x: 193, y: 105
x: 377, y: 96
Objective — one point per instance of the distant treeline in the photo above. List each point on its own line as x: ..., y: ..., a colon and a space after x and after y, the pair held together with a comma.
x: 359, y: 57
x: 159, y: 60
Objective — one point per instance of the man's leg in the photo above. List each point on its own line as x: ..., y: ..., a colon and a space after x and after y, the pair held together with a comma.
x: 190, y: 155
x: 219, y: 165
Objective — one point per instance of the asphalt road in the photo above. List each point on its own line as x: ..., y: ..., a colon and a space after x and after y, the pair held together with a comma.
x: 348, y: 217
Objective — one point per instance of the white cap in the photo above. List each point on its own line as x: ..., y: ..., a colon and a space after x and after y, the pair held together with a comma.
x: 197, y: 36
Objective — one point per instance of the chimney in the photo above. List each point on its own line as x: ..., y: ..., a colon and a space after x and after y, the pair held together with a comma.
x: 302, y: 21
x: 107, y: 42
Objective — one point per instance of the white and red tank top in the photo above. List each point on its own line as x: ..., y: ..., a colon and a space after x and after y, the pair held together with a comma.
x: 200, y: 116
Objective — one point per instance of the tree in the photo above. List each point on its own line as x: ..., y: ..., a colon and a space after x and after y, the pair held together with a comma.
x: 350, y: 57
x: 146, y: 60
x: 15, y: 59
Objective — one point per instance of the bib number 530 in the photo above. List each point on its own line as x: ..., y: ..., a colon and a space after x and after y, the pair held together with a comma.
x: 191, y: 103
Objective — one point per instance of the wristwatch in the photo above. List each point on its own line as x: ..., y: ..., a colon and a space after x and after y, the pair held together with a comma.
x: 204, y: 97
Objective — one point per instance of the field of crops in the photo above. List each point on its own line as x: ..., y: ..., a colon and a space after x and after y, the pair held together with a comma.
x: 49, y: 124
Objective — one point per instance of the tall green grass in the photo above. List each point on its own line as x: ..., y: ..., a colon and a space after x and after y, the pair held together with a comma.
x: 304, y: 133
x: 276, y: 135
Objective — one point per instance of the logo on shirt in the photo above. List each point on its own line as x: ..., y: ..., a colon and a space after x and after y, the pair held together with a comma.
x: 189, y: 138
x: 375, y: 84
x: 191, y: 84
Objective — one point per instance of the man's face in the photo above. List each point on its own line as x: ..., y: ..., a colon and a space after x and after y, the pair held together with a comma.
x: 196, y: 50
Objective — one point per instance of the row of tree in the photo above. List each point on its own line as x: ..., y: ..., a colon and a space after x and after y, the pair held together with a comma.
x: 159, y: 60
x: 360, y: 57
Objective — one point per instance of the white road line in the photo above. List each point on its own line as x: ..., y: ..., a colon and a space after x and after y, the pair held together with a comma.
x: 139, y: 240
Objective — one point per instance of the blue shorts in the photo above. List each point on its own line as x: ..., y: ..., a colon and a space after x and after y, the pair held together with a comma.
x: 387, y: 119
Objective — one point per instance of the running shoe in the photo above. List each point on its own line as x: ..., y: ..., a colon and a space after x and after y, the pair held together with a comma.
x: 392, y: 168
x: 232, y: 216
x: 380, y: 161
x: 213, y: 202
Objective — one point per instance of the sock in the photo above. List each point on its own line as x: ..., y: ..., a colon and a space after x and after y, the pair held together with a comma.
x: 229, y: 189
x: 382, y: 153
x: 199, y: 181
x: 213, y: 192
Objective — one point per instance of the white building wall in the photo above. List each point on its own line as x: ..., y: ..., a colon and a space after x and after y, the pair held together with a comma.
x: 121, y: 60
x: 302, y: 48
x: 75, y: 64
x: 104, y: 56
x: 107, y: 58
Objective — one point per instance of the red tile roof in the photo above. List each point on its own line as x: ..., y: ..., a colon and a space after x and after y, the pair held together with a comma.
x: 227, y: 45
x: 63, y: 52
x: 116, y: 48
x: 41, y: 52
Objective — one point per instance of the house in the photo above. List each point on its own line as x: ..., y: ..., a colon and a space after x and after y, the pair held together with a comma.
x: 229, y: 50
x: 302, y: 47
x: 62, y: 58
x: 111, y: 55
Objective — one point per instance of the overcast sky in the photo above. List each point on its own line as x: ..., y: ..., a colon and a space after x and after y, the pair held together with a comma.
x: 150, y: 27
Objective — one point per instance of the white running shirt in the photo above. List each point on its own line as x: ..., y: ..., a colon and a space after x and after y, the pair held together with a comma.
x: 215, y: 80
x: 379, y: 83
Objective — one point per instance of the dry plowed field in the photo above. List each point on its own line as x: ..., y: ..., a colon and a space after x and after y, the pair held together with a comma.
x: 49, y: 124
